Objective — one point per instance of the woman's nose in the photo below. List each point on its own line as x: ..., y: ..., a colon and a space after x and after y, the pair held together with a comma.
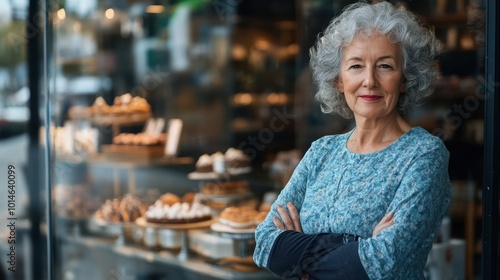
x: 370, y: 79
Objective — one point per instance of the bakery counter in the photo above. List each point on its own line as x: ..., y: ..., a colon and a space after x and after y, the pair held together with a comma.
x: 101, y: 258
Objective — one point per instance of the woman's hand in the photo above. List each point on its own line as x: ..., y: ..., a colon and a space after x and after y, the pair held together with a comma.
x: 290, y: 218
x: 386, y: 222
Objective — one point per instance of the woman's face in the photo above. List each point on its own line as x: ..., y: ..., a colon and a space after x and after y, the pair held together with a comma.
x: 371, y: 76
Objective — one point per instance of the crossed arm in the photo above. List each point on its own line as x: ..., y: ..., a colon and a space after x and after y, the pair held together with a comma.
x: 291, y: 220
x: 310, y: 256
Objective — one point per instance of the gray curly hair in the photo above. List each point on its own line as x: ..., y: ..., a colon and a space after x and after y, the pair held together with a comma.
x: 418, y: 44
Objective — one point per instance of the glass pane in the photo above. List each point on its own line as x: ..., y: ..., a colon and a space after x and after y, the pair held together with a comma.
x: 14, y: 141
x: 236, y: 74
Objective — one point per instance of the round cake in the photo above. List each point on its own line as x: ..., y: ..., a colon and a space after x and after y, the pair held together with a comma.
x: 178, y: 213
x: 237, y: 158
x: 225, y: 188
x: 241, y: 217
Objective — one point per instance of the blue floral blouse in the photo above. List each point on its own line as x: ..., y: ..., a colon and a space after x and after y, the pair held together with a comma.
x: 336, y: 190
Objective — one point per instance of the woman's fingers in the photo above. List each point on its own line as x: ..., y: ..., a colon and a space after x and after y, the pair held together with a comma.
x: 278, y: 223
x: 285, y: 217
x: 386, y: 222
x: 288, y: 219
x: 294, y: 215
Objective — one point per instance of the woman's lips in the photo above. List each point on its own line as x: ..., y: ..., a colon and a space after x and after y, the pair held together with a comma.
x: 370, y: 97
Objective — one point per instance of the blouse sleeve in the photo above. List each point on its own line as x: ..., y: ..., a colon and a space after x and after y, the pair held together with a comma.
x: 294, y: 191
x: 419, y: 206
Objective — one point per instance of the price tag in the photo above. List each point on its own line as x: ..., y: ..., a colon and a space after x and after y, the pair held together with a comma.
x: 160, y: 124
x: 173, y: 137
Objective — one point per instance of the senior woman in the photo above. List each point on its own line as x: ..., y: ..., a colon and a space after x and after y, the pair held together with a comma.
x: 365, y: 204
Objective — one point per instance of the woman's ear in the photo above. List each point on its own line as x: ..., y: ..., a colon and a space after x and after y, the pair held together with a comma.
x: 339, y: 85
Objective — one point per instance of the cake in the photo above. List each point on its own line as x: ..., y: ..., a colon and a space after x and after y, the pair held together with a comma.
x: 178, y: 213
x: 126, y: 209
x: 204, y: 164
x: 241, y: 217
x: 236, y: 158
x: 219, y: 162
x: 224, y: 188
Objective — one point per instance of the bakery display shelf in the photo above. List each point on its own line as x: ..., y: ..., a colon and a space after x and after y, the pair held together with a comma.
x: 120, y: 119
x: 184, y: 253
x: 218, y: 176
x: 103, y: 159
x: 133, y: 152
x: 184, y: 226
x: 197, y: 266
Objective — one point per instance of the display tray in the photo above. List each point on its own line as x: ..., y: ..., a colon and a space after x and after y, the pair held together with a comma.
x: 121, y: 119
x: 107, y: 227
x: 224, y: 198
x: 218, y: 227
x: 204, y: 224
x: 212, y: 175
x: 133, y: 152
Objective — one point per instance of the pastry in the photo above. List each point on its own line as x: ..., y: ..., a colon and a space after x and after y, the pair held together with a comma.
x: 204, y: 164
x: 236, y: 158
x: 225, y: 188
x: 265, y: 207
x: 239, y: 217
x: 100, y: 107
x: 140, y: 139
x: 126, y: 209
x: 170, y: 199
x: 260, y: 217
x: 178, y: 213
x: 188, y: 197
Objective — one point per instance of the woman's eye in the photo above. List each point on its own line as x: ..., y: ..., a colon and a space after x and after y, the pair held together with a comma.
x: 385, y: 66
x: 355, y: 66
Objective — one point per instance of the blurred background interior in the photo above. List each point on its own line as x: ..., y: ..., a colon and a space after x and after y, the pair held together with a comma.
x: 235, y: 72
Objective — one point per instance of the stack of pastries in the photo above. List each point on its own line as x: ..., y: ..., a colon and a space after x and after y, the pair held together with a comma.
x: 125, y: 209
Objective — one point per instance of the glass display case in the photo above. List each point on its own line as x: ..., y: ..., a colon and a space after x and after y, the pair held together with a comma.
x: 141, y: 91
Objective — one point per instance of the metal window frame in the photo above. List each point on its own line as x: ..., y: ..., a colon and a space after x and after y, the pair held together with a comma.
x: 491, y: 143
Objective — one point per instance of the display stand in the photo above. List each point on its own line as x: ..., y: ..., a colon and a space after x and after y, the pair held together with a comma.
x: 115, y: 229
x: 230, y: 198
x: 184, y: 253
x: 240, y: 237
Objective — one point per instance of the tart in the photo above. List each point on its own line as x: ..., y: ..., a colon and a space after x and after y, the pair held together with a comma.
x: 238, y: 217
x: 178, y: 213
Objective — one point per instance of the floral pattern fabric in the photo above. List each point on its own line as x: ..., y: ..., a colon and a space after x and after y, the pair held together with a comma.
x: 336, y: 190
